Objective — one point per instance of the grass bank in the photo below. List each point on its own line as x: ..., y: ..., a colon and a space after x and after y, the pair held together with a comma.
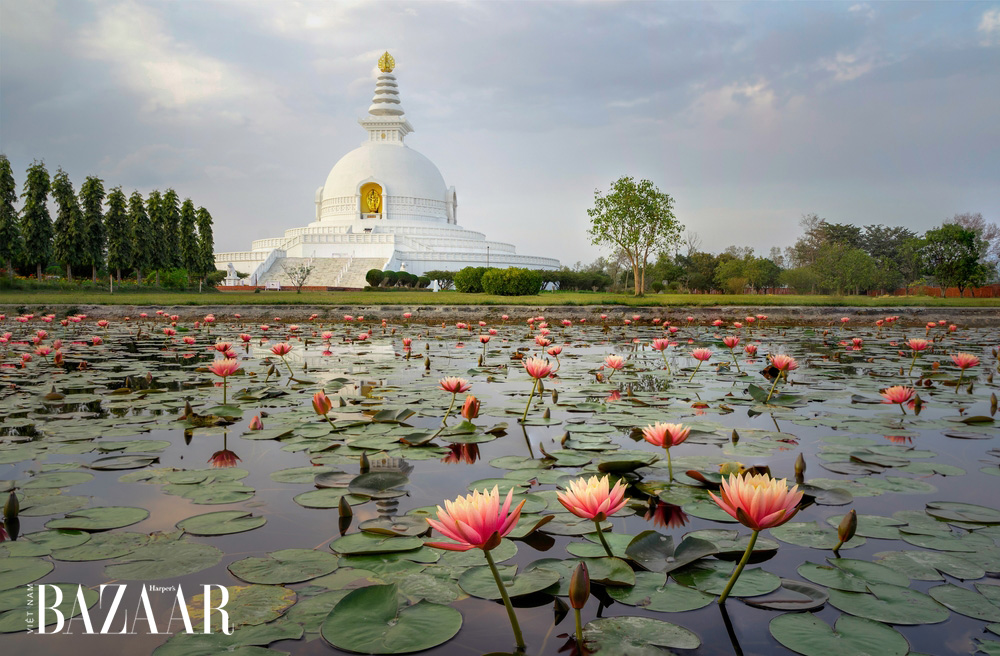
x: 414, y: 298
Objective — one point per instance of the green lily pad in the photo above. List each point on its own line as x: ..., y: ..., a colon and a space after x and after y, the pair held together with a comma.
x: 58, y: 479
x: 792, y: 595
x: 656, y: 552
x: 100, y: 519
x: 247, y: 605
x: 479, y: 581
x: 247, y: 641
x: 851, y: 575
x: 813, y: 534
x: 652, y: 592
x: 371, y: 621
x: 636, y: 636
x: 285, y: 566
x: 103, y: 546
x: 928, y: 565
x: 162, y: 560
x: 370, y: 543
x: 804, y: 633
x: 891, y: 604
x: 223, y: 522
x: 712, y: 576
x: 966, y: 602
x: 15, y: 572
x: 379, y: 484
x: 963, y: 512
x: 19, y: 608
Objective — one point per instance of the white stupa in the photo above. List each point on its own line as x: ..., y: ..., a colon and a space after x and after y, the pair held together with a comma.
x: 384, y: 206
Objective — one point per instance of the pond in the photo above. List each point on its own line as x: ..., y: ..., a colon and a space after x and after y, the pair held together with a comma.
x: 135, y: 465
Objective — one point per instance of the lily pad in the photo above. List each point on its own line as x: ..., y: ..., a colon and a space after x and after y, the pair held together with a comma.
x: 966, y: 602
x: 479, y: 581
x: 892, y: 604
x: 162, y: 560
x: 813, y: 534
x: 223, y: 522
x: 652, y: 592
x: 100, y: 519
x: 636, y: 636
x: 285, y: 566
x: 371, y: 621
x: 15, y: 572
x: 712, y: 576
x: 804, y: 633
x: 851, y: 575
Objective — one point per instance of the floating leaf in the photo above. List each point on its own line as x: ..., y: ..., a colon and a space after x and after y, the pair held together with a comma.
x: 636, y: 636
x: 247, y: 605
x: 15, y: 572
x: 813, y: 534
x: 965, y: 601
x: 712, y: 576
x: 806, y: 634
x: 804, y: 596
x: 892, y: 604
x: 371, y: 621
x: 652, y: 592
x: 851, y: 575
x: 163, y: 560
x: 100, y: 519
x: 285, y: 566
x: 223, y: 522
x: 479, y: 581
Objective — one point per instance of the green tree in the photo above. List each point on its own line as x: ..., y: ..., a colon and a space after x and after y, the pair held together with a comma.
x: 638, y: 219
x: 171, y: 225
x: 36, y: 224
x: 842, y: 233
x: 187, y: 239
x: 140, y: 230
x: 158, y: 258
x: 10, y: 229
x: 93, y: 233
x: 67, y: 243
x: 206, y: 243
x: 119, y: 232
x: 761, y: 273
x: 953, y: 255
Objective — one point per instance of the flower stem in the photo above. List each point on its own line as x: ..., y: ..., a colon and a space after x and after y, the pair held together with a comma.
x: 670, y: 465
x: 739, y: 568
x: 448, y: 414
x: 579, y: 630
x: 604, y: 541
x: 664, y: 354
x: 735, y: 361
x: 506, y: 601
x: 223, y: 391
x: 697, y: 367
x: 959, y: 383
x: 913, y: 362
x: 773, y: 385
x: 290, y: 374
x: 524, y: 417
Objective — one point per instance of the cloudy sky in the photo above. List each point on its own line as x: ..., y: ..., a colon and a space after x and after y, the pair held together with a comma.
x: 749, y: 115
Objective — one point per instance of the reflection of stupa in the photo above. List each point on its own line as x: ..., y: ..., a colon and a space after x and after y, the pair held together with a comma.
x: 384, y: 206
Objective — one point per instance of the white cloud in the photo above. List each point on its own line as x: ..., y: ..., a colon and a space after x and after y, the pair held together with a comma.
x: 715, y: 105
x: 862, y: 9
x: 989, y: 25
x: 846, y: 67
x: 169, y: 73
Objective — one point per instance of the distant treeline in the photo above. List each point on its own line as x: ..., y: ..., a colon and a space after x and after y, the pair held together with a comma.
x: 97, y: 230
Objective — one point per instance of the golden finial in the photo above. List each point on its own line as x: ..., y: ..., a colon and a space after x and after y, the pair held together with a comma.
x: 386, y: 63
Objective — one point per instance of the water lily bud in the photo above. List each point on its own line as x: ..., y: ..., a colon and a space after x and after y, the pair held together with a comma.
x: 344, y: 507
x: 735, y: 437
x: 365, y: 465
x: 579, y: 587
x: 11, y: 508
x: 555, y: 395
x: 848, y: 525
x: 800, y: 466
x: 470, y: 409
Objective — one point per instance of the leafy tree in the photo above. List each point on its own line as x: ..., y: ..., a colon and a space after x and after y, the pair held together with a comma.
x: 858, y: 270
x: 988, y: 232
x: 801, y: 279
x: 158, y: 257
x: 761, y: 273
x: 806, y: 248
x: 10, y: 229
x: 638, y: 219
x: 36, y: 225
x: 206, y: 243
x: 187, y: 238
x: 842, y: 233
x: 445, y: 279
x: 952, y: 254
x: 730, y: 275
x: 374, y: 277
x: 92, y: 228
x: 140, y: 230
x: 885, y: 242
x: 119, y: 230
x: 171, y: 222
x: 67, y: 243
x: 298, y: 274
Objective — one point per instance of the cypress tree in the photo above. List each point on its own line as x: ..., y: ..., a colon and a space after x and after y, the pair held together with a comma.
x: 156, y: 256
x: 140, y: 231
x: 10, y: 230
x: 171, y: 229
x: 190, y: 254
x: 94, y: 236
x: 67, y: 242
x: 119, y: 233
x: 206, y: 243
x: 36, y: 225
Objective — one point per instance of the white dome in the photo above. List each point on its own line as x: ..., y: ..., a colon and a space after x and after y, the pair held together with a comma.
x: 400, y: 170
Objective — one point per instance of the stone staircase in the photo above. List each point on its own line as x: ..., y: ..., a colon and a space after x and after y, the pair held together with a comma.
x: 355, y: 275
x: 326, y: 272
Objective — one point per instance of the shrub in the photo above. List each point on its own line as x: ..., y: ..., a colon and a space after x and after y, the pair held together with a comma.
x: 391, y: 278
x: 423, y: 282
x: 657, y: 287
x: 174, y: 279
x: 215, y: 277
x: 470, y: 280
x: 374, y: 277
x: 407, y: 279
x: 511, y: 282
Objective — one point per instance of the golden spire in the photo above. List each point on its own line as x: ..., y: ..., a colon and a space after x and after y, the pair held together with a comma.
x: 386, y: 63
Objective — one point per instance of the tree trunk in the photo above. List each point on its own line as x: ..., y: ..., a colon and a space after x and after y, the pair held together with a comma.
x: 635, y: 278
x: 138, y: 276
x: 157, y: 277
x: 118, y: 270
x: 10, y: 269
x: 38, y: 271
x: 69, y: 273
x: 93, y: 272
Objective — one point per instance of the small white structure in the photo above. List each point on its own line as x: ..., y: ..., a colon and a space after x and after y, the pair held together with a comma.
x: 383, y: 206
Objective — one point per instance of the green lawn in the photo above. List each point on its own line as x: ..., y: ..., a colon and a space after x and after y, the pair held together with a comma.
x: 28, y: 298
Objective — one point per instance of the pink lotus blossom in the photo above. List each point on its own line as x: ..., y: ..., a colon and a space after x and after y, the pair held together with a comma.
x: 475, y: 521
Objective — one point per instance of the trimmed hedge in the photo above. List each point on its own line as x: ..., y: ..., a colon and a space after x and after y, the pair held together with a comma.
x: 470, y: 280
x: 512, y: 282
